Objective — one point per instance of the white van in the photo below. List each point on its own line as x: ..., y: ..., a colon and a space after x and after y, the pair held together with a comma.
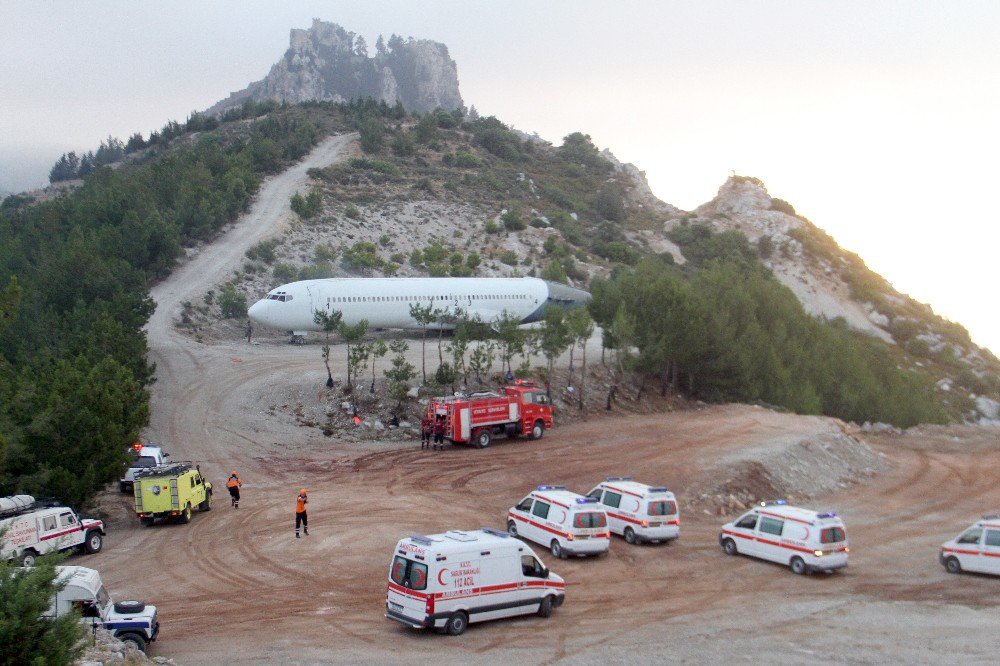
x: 977, y: 549
x: 805, y: 540
x: 130, y: 621
x: 638, y: 512
x: 32, y: 528
x: 143, y: 457
x: 567, y: 523
x: 448, y: 580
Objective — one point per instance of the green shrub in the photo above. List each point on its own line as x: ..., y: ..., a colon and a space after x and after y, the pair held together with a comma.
x: 317, y: 271
x: 263, y: 251
x: 509, y: 257
x: 416, y: 258
x: 385, y: 240
x: 473, y: 261
x: 466, y: 160
x: 352, y: 212
x: 372, y: 131
x: 491, y: 227
x: 362, y: 255
x: 512, y: 221
x: 403, y: 145
x: 284, y: 272
x: 398, y: 258
x: 326, y: 252
x: 232, y: 303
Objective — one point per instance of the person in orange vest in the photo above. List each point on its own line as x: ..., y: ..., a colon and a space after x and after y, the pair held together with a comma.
x: 234, y: 484
x: 300, y: 513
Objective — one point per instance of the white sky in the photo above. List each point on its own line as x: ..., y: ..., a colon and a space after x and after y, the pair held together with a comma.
x: 876, y: 120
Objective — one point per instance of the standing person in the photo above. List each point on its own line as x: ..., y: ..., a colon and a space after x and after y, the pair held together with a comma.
x: 249, y: 331
x: 439, y: 433
x: 300, y: 512
x: 234, y: 484
x: 426, y: 430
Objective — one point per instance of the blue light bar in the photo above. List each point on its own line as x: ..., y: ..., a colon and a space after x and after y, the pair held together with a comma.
x: 551, y: 488
x: 618, y: 478
x: 586, y: 500
x: 828, y: 514
x: 658, y: 489
x: 777, y: 502
x: 419, y: 538
x: 490, y: 530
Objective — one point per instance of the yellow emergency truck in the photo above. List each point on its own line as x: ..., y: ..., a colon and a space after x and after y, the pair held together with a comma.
x: 172, y: 490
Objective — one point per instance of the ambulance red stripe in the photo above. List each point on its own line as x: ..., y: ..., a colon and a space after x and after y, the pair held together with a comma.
x: 626, y: 492
x: 538, y: 525
x: 776, y: 543
x: 59, y: 534
x: 970, y: 552
x: 551, y: 501
x: 781, y: 517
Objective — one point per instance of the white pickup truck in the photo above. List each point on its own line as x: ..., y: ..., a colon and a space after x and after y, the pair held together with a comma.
x: 143, y: 457
x: 130, y: 621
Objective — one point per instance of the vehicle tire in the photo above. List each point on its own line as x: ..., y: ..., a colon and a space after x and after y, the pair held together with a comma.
x: 147, y: 522
x: 135, y: 640
x: 629, y: 535
x: 952, y: 565
x: 28, y: 558
x: 730, y: 547
x: 798, y: 566
x: 185, y: 516
x: 457, y: 623
x: 556, y: 549
x: 545, y: 608
x: 537, y: 430
x: 122, y: 488
x: 207, y: 504
x: 483, y: 438
x: 512, y: 528
x: 92, y: 544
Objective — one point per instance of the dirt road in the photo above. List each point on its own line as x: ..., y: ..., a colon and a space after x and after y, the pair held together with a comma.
x: 235, y: 586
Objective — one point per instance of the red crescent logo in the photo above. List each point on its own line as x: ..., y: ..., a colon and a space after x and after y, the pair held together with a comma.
x: 637, y: 506
x: 441, y: 573
x: 806, y: 537
x: 563, y: 519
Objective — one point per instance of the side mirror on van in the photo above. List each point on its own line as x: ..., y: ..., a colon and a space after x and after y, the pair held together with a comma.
x: 545, y: 572
x: 166, y: 455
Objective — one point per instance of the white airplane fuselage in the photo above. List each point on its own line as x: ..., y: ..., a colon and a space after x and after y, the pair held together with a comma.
x: 385, y: 302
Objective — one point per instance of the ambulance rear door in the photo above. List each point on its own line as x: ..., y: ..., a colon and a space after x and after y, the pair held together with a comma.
x: 407, y: 595
x: 991, y: 550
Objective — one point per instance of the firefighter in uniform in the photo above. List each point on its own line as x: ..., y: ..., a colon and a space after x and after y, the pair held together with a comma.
x: 300, y: 513
x: 426, y: 430
x: 233, y: 484
x: 439, y: 433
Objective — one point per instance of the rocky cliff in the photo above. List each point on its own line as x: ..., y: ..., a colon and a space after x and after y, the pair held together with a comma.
x: 328, y: 63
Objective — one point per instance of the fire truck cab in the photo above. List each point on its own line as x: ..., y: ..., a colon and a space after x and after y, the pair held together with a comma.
x: 516, y: 409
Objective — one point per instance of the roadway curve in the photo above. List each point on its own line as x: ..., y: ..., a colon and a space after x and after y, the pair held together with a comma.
x: 234, y: 585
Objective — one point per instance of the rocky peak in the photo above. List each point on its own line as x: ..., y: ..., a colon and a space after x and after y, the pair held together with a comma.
x: 328, y: 63
x: 639, y: 193
x: 739, y: 195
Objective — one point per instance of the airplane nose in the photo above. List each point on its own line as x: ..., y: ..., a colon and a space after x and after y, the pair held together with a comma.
x: 256, y: 312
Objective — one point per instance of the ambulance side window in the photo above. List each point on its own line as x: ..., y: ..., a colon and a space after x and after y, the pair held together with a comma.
x: 771, y: 526
x: 66, y: 519
x: 541, y: 509
x: 49, y: 523
x: 612, y: 499
x: 748, y: 522
x: 971, y: 536
x: 532, y: 567
x: 993, y: 537
x: 525, y: 504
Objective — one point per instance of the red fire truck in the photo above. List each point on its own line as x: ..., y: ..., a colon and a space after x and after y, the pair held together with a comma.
x: 516, y: 409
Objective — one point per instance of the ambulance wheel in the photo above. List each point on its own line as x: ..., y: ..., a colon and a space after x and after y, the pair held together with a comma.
x: 545, y: 608
x: 147, y: 522
x: 798, y: 566
x: 556, y: 549
x: 135, y: 640
x: 730, y: 547
x: 185, y: 516
x: 93, y: 543
x: 457, y: 623
x: 512, y: 528
x: 28, y: 558
x: 483, y: 439
x: 952, y: 566
x: 537, y: 430
x: 629, y: 535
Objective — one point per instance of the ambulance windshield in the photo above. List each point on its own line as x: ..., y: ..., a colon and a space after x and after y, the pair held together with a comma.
x: 662, y: 508
x: 590, y: 519
x: 408, y: 573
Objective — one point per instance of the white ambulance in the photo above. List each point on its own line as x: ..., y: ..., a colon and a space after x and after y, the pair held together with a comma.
x: 33, y: 528
x: 805, y: 540
x: 567, y: 523
x: 638, y: 512
x: 448, y: 580
x: 977, y: 549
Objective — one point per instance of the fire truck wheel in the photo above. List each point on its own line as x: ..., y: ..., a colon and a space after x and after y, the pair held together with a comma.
x: 556, y: 549
x: 93, y: 542
x: 28, y: 558
x: 537, y: 430
x: 135, y: 640
x: 545, y: 608
x: 512, y: 528
x: 951, y: 565
x: 185, y: 516
x: 798, y: 566
x: 483, y: 439
x: 122, y: 488
x: 146, y: 522
x: 730, y: 547
x: 629, y: 535
x: 457, y: 623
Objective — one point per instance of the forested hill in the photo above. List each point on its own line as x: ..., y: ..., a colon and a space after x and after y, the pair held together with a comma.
x: 74, y: 275
x: 686, y: 303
